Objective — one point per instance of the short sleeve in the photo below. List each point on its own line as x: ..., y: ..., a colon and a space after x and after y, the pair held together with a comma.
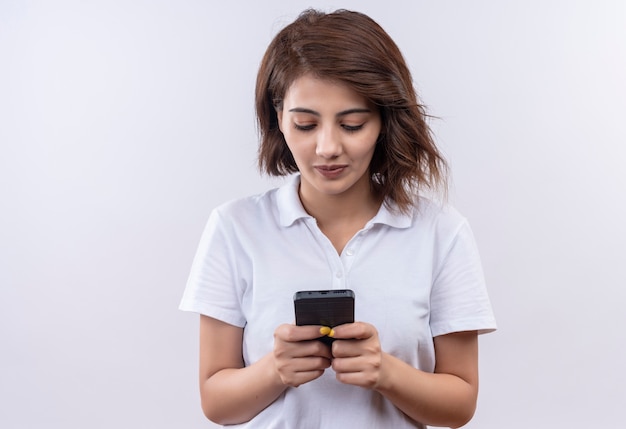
x: 459, y: 299
x: 211, y: 288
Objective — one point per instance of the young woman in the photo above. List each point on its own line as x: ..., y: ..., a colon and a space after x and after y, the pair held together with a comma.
x: 338, y: 113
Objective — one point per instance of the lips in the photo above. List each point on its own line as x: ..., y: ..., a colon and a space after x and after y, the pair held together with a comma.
x: 331, y: 171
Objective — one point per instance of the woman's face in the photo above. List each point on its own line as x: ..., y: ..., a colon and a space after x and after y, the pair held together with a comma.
x: 331, y: 132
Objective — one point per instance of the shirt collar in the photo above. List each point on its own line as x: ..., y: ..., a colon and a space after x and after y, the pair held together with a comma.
x: 390, y: 215
x: 290, y: 208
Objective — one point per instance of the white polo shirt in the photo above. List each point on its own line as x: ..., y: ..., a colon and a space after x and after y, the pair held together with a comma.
x: 414, y: 276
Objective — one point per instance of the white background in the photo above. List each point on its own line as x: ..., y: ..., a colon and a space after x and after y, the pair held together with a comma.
x: 123, y: 123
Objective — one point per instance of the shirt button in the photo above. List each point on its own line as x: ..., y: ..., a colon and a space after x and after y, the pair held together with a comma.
x: 349, y: 252
x: 339, y: 274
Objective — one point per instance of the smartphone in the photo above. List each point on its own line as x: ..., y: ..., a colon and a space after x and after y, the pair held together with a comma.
x: 324, y: 307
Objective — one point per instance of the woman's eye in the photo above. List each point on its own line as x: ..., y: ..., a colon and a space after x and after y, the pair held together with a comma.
x: 352, y: 128
x: 304, y: 127
x: 310, y: 127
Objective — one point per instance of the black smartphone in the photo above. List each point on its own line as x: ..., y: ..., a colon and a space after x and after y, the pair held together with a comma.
x: 324, y: 307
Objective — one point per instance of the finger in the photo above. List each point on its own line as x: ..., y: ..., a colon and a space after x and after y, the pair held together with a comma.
x: 293, y: 333
x: 356, y: 330
x: 360, y: 378
x: 306, y: 364
x: 362, y: 347
x: 313, y: 364
x: 346, y: 365
x: 314, y: 348
x: 302, y: 370
x: 301, y: 349
x: 347, y: 348
x: 298, y: 378
x: 356, y: 371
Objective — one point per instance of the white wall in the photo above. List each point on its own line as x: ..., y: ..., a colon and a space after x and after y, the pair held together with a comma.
x: 122, y: 123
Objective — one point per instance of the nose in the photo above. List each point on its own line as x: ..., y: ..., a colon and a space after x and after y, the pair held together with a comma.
x: 328, y: 143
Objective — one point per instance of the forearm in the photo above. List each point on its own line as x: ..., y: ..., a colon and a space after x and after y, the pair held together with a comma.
x: 236, y: 395
x: 432, y: 399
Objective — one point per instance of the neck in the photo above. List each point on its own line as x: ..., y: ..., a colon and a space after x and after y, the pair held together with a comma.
x: 359, y: 204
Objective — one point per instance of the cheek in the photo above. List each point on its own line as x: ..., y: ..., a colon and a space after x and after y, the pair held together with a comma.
x: 297, y: 142
x: 366, y: 150
x: 294, y: 147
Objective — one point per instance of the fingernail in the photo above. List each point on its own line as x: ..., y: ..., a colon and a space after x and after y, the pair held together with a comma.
x: 325, y: 330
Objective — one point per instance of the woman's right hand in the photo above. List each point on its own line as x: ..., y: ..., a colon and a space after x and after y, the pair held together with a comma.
x: 298, y: 356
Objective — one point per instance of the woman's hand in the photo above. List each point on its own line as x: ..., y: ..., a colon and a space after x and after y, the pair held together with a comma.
x: 446, y: 397
x: 357, y: 356
x: 298, y: 356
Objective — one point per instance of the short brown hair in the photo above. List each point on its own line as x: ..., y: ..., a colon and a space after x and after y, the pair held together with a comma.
x: 351, y: 48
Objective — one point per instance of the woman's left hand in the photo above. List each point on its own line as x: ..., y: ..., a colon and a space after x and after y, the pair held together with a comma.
x: 357, y: 355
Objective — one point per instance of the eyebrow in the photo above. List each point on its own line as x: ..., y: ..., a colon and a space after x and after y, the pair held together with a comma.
x: 342, y: 113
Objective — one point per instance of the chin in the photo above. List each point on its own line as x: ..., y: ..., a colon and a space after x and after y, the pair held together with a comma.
x: 335, y: 188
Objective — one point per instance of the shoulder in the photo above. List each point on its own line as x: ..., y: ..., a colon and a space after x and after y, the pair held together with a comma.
x: 440, y: 216
x: 251, y: 208
x: 278, y: 206
x: 427, y: 216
